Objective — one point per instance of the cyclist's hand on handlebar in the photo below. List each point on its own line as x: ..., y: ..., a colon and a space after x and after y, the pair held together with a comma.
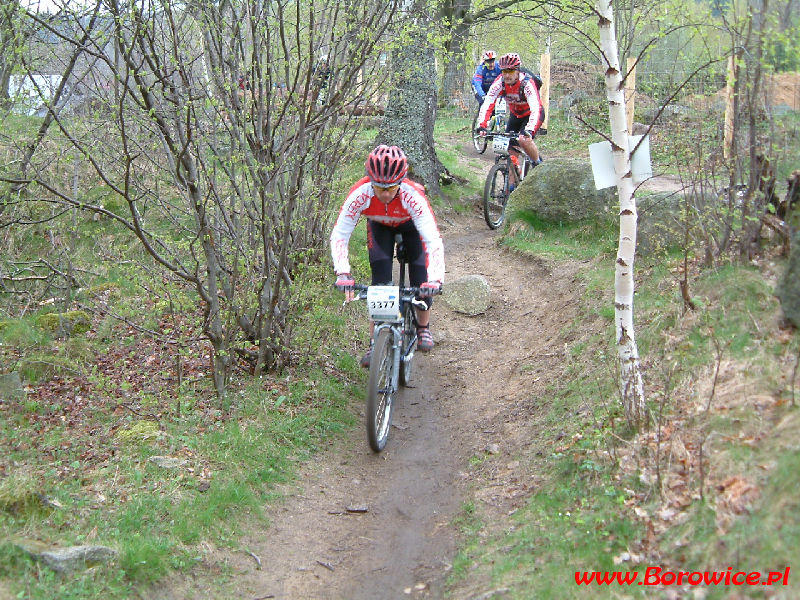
x: 481, y: 131
x: 430, y: 288
x: 526, y: 134
x: 345, y: 282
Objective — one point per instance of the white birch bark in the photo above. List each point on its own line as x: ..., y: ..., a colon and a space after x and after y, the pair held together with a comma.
x: 631, y: 384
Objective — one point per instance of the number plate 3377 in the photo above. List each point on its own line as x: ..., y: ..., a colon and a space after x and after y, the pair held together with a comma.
x: 383, y: 302
x: 500, y: 143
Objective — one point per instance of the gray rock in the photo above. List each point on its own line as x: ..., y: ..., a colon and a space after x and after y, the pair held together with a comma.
x: 11, y: 387
x: 66, y: 560
x: 561, y: 190
x: 167, y: 462
x: 788, y: 290
x: 469, y: 295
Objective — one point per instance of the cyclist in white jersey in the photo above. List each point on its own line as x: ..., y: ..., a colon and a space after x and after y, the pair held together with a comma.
x: 392, y: 204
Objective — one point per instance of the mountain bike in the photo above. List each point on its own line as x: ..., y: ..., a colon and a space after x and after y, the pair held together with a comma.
x: 498, y: 183
x: 497, y: 124
x: 391, y: 307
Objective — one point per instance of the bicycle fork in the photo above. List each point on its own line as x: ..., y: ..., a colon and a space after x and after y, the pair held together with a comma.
x: 397, y: 346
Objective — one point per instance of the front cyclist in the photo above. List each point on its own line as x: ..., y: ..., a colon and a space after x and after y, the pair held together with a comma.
x: 523, y: 100
x: 392, y: 204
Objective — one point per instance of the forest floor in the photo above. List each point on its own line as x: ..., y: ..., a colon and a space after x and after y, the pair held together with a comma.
x: 358, y: 525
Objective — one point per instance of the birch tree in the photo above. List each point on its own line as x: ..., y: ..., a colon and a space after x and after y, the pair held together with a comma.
x: 631, y: 383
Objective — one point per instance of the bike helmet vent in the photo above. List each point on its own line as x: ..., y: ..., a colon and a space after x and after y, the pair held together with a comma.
x: 489, y: 55
x: 509, y: 61
x: 386, y: 165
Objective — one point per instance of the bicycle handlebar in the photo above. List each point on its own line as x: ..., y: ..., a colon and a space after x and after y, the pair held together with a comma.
x: 407, y: 292
x: 511, y: 135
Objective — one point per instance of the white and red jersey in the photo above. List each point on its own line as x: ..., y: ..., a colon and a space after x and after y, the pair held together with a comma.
x: 522, y: 98
x: 410, y: 204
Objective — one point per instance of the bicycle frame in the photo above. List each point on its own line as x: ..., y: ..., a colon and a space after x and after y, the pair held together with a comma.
x: 392, y: 309
x: 505, y: 153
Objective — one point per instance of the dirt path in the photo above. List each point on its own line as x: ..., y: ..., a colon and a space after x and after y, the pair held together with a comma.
x: 471, y: 396
x: 366, y: 526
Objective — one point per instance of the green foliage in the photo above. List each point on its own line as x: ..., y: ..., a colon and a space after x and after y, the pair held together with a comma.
x: 22, y: 334
x: 37, y: 367
x: 73, y: 322
x: 21, y: 496
x: 556, y: 240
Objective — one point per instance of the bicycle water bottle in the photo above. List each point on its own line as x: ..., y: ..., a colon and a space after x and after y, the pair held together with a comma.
x: 515, y: 160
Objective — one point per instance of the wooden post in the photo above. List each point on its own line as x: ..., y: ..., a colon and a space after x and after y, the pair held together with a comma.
x: 544, y: 93
x: 630, y: 93
x: 727, y: 148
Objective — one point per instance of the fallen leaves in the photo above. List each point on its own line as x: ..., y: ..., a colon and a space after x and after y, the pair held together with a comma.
x: 737, y: 493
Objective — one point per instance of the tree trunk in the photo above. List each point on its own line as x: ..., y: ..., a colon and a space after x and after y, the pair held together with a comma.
x: 631, y: 384
x: 456, y: 69
x: 411, y: 108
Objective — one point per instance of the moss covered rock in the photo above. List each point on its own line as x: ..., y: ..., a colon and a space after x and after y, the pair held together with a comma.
x: 140, y: 431
x: 561, y: 190
x: 65, y: 324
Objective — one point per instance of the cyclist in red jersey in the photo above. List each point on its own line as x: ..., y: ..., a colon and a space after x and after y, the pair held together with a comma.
x: 392, y: 204
x: 523, y: 100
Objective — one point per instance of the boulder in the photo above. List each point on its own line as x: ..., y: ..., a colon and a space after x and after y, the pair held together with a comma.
x: 66, y: 560
x: 11, y: 387
x: 469, y: 295
x: 561, y: 190
x: 167, y: 462
x: 65, y: 324
x: 788, y: 290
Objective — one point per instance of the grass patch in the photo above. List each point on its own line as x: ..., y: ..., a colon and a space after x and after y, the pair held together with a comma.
x: 582, y: 241
x: 596, y: 492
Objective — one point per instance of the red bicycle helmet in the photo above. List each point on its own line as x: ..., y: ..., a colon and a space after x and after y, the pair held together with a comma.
x: 509, y: 61
x: 386, y: 165
x: 488, y: 55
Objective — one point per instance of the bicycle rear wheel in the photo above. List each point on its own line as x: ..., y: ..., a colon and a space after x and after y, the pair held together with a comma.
x: 479, y: 141
x: 380, y: 393
x: 495, y: 195
x: 409, y: 345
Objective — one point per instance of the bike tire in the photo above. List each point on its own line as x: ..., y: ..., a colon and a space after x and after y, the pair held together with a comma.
x: 380, y: 392
x: 478, y: 141
x: 409, y: 346
x: 495, y: 195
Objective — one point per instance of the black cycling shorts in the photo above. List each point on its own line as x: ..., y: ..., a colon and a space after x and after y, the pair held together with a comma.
x: 516, y: 124
x: 380, y: 243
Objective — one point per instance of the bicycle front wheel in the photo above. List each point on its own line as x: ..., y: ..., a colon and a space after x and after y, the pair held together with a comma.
x: 409, y: 345
x: 380, y: 392
x: 479, y: 141
x: 495, y: 195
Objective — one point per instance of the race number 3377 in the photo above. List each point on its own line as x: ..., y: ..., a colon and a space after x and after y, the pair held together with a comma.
x: 383, y: 302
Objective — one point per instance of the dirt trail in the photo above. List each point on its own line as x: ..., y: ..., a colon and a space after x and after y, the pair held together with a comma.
x: 473, y: 396
x: 472, y: 393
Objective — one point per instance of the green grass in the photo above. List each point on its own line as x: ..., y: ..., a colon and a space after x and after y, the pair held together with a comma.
x: 157, y: 517
x: 562, y: 241
x: 459, y: 195
x: 578, y: 518
x: 572, y: 524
